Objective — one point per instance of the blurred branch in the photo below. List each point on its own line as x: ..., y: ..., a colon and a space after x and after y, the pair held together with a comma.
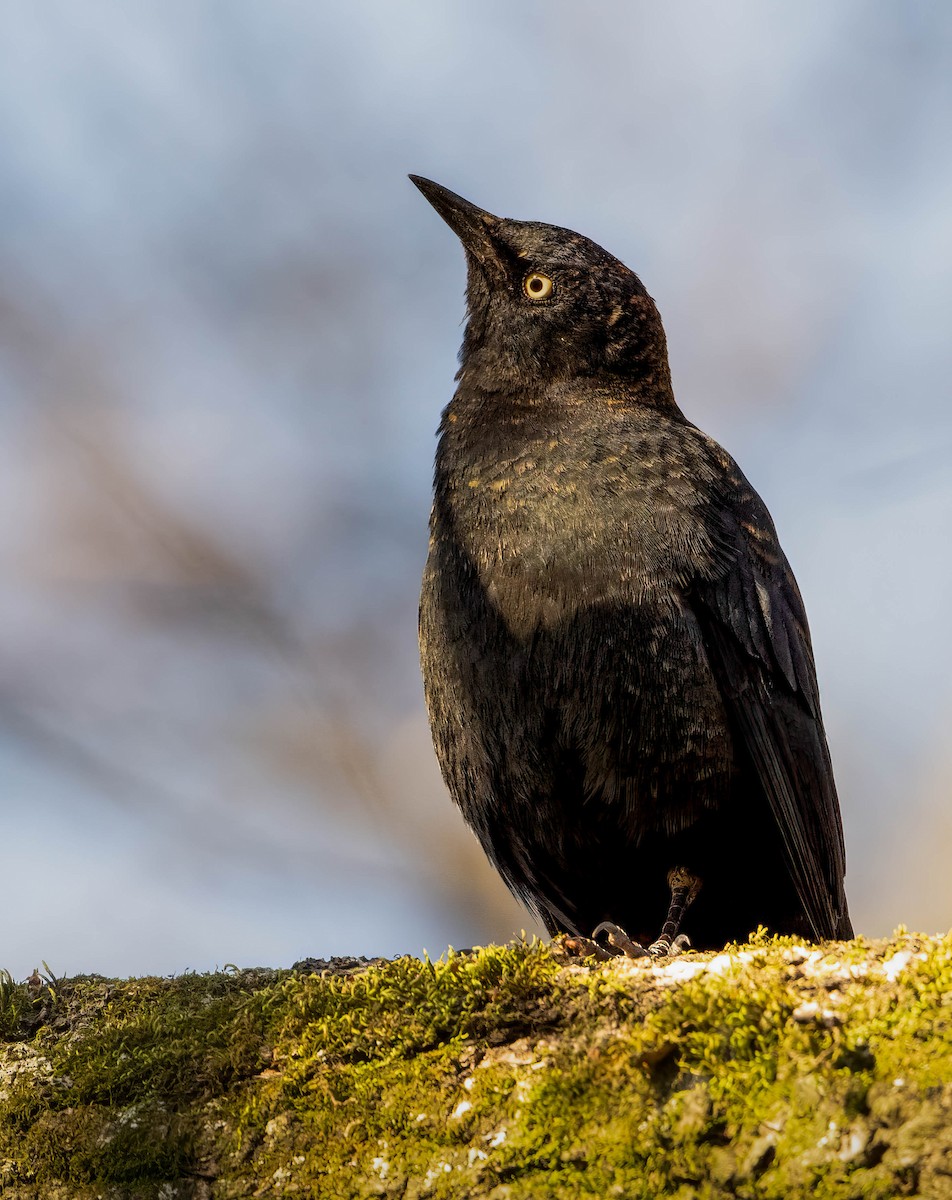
x: 315, y: 731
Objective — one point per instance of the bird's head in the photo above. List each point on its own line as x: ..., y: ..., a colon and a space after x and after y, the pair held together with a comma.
x: 547, y: 305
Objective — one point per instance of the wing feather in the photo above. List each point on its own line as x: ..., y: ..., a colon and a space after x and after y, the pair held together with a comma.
x: 758, y: 641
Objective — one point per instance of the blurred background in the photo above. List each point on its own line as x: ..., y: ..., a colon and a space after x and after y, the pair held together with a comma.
x: 228, y: 324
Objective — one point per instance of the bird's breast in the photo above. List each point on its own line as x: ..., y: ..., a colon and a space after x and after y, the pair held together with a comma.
x: 555, y: 528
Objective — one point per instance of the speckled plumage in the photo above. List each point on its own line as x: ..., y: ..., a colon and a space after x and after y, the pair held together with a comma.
x: 615, y: 654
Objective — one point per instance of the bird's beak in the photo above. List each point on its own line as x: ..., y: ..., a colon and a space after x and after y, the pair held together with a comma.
x: 474, y: 227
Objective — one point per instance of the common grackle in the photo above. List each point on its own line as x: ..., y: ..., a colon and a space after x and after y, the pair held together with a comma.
x: 616, y: 658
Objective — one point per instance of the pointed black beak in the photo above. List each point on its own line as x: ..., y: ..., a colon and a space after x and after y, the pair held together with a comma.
x: 474, y: 227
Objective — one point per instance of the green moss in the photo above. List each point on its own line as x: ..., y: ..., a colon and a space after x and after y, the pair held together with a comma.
x: 768, y: 1071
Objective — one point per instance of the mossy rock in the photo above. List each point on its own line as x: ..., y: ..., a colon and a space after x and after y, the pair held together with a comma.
x: 773, y: 1069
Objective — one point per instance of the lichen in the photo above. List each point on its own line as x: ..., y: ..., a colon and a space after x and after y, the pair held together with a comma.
x: 769, y: 1070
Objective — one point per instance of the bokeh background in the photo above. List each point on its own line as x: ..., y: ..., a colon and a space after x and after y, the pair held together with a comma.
x: 227, y: 327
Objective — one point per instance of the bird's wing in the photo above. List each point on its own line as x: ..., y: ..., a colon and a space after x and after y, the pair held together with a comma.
x: 757, y: 639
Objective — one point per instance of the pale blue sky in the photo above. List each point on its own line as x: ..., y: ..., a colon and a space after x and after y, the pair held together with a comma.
x: 227, y: 327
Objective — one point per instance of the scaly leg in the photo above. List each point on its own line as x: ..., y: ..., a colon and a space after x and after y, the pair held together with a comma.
x: 684, y: 887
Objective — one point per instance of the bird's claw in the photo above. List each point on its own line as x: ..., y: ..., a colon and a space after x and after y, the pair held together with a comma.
x: 665, y: 947
x: 619, y: 940
x: 583, y: 947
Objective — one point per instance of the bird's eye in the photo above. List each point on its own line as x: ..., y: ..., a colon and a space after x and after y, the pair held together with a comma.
x: 537, y: 286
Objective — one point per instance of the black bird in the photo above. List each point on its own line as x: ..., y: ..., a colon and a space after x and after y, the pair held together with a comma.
x: 616, y: 658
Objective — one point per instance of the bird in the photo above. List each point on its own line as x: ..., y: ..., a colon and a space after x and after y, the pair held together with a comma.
x: 616, y: 659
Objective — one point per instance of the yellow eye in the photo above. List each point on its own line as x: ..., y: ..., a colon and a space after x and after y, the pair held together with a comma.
x: 537, y: 286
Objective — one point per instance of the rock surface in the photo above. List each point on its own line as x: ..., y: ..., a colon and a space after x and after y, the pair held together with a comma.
x: 773, y: 1069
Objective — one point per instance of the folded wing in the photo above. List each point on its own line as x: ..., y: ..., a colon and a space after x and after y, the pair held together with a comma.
x: 758, y: 642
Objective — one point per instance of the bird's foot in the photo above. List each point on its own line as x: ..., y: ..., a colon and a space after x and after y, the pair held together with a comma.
x: 664, y: 947
x: 615, y: 943
x: 619, y: 941
x: 583, y: 947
